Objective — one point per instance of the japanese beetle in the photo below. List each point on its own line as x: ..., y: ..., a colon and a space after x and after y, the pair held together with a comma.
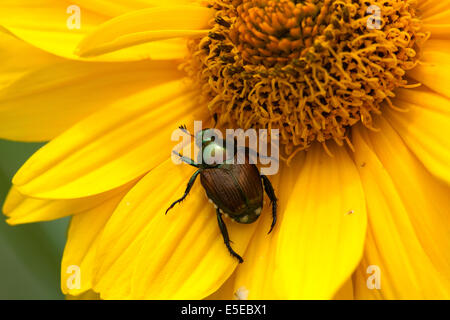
x: 236, y: 190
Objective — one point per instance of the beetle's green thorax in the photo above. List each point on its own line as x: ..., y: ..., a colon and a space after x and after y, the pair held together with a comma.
x: 207, y: 136
x: 212, y: 147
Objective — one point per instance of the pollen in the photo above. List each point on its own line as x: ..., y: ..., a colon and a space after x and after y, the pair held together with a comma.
x: 310, y: 68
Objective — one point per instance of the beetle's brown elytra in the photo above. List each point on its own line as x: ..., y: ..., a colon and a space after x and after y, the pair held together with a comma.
x: 236, y: 190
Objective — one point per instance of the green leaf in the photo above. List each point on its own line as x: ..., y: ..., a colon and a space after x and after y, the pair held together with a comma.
x: 30, y: 254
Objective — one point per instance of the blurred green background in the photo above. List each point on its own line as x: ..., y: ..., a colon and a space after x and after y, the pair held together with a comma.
x: 30, y: 255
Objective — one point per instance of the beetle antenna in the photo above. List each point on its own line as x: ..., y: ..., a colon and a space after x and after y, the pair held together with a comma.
x: 185, y: 130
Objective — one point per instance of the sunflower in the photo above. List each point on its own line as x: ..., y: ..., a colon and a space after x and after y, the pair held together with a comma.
x: 361, y: 97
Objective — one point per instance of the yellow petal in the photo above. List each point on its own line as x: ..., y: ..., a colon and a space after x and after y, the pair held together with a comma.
x: 82, y: 241
x: 118, y: 7
x: 88, y: 295
x: 51, y: 98
x: 322, y: 232
x: 146, y: 25
x: 145, y: 254
x: 425, y: 128
x: 170, y: 49
x: 345, y: 292
x: 112, y: 147
x: 319, y: 238
x: 436, y: 19
x: 20, y: 209
x: 408, y: 237
x: 434, y: 68
x: 44, y: 24
x: 226, y: 290
x: 433, y: 47
x: 15, y: 58
x: 429, y: 8
x: 423, y: 98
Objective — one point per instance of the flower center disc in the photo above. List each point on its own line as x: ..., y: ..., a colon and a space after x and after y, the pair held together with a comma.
x: 310, y: 68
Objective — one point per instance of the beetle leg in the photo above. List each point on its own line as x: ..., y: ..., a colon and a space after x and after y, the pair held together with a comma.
x: 226, y: 238
x: 271, y: 193
x: 187, y: 160
x: 185, y: 130
x: 188, y: 188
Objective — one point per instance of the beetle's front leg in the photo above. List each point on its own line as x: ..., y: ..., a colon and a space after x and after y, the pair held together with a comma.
x: 271, y: 193
x: 188, y: 189
x: 226, y: 238
x: 187, y: 160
